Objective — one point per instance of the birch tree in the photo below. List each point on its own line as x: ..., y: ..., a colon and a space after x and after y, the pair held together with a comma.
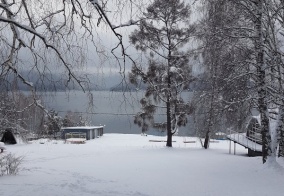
x: 225, y: 52
x: 260, y: 25
x: 266, y: 17
x: 38, y: 38
x: 273, y: 35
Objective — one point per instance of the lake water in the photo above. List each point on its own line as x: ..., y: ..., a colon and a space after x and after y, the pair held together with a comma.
x: 115, y: 110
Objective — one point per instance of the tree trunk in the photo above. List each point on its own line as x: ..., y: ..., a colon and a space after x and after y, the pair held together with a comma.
x: 169, y: 124
x: 207, y: 139
x: 169, y: 96
x: 262, y: 103
x: 281, y: 143
x: 211, y: 113
x: 281, y: 133
x: 169, y: 127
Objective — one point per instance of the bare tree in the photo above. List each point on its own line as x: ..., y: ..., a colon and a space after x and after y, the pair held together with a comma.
x: 18, y: 112
x: 253, y: 38
x: 266, y: 17
x: 39, y: 38
x: 224, y: 101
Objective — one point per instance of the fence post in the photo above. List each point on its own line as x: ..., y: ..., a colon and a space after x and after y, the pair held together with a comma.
x: 230, y: 147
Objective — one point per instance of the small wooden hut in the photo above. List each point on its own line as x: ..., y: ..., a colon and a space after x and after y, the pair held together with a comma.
x: 89, y: 132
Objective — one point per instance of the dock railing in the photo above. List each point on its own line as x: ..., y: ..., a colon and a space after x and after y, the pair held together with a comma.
x: 252, y: 143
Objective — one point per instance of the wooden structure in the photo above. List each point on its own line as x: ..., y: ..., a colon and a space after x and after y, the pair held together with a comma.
x: 75, y: 138
x: 219, y: 136
x: 251, y: 139
x: 88, y: 132
x: 253, y: 130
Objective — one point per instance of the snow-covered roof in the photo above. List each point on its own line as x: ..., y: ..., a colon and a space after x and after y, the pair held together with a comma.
x: 85, y: 127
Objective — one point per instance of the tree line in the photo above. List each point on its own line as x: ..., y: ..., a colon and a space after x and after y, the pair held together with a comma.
x: 19, y: 114
x: 242, y: 49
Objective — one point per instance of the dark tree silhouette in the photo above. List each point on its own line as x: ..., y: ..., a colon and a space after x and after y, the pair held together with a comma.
x: 164, y: 31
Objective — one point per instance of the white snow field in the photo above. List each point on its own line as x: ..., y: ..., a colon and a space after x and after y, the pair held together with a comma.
x: 121, y: 165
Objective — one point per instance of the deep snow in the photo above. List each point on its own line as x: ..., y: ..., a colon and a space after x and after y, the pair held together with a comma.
x: 121, y: 164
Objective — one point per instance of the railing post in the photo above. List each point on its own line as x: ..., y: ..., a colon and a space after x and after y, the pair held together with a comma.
x: 255, y: 145
x: 230, y: 147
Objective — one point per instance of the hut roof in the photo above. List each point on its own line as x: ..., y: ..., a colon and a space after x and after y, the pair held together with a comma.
x: 85, y: 127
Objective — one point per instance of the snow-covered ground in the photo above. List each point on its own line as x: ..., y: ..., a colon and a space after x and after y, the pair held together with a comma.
x: 120, y: 164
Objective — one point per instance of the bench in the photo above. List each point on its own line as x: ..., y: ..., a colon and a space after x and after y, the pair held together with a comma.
x: 76, y: 140
x: 189, y: 141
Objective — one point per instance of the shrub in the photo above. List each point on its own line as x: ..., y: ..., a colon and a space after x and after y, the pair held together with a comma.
x: 10, y: 164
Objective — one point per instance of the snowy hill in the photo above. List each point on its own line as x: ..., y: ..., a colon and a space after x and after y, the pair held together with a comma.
x: 121, y: 164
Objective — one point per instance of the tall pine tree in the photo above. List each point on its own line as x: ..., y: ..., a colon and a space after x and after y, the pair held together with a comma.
x: 164, y: 31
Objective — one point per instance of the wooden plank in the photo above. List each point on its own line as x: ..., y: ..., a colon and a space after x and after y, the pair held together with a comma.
x: 159, y: 141
x: 189, y: 141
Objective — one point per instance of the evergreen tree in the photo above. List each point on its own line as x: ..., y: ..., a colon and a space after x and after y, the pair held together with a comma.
x: 164, y: 31
x: 68, y: 120
x: 54, y: 122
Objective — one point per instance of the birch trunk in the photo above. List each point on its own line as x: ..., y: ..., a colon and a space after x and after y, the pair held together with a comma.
x: 262, y: 102
x: 280, y: 131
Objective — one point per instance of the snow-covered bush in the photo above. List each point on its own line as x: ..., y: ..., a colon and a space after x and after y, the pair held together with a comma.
x: 10, y: 164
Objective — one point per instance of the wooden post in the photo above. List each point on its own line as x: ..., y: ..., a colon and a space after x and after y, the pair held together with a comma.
x: 230, y: 147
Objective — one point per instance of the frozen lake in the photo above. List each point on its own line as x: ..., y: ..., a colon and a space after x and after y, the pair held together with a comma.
x: 115, y: 110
